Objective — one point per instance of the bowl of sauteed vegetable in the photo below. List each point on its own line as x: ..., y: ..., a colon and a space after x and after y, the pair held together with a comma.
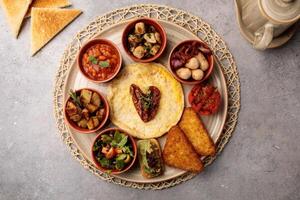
x: 144, y: 40
x: 99, y: 60
x: 86, y: 110
x: 191, y: 61
x: 114, y: 151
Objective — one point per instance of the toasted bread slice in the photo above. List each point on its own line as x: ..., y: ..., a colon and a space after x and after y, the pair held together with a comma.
x: 179, y: 153
x: 48, y: 22
x: 196, y: 133
x: 15, y: 11
x: 48, y: 4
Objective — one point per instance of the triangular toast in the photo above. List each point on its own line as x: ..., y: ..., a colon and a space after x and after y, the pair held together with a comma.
x: 48, y: 4
x: 196, y: 133
x: 15, y: 11
x: 48, y: 22
x: 179, y: 153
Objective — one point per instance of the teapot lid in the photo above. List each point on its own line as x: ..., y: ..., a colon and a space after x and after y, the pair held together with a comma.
x: 282, y: 11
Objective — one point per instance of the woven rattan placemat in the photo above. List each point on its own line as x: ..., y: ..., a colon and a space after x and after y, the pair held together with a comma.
x: 190, y: 22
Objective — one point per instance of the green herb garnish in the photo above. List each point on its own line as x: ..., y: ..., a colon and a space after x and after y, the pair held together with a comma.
x: 127, y: 150
x: 121, y: 156
x: 106, y: 138
x: 95, y: 148
x: 146, y: 104
x: 123, y: 141
x: 93, y: 60
x: 75, y: 98
x: 147, y: 100
x: 119, y: 139
x: 104, y: 162
x: 147, y: 48
x: 148, y: 170
x: 120, y: 164
x: 104, y: 63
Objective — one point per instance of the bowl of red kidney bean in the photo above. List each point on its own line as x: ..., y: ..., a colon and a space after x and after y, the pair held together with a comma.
x: 99, y: 60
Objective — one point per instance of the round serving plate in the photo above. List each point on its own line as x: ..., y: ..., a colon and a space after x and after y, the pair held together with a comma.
x: 179, y: 26
x: 175, y: 35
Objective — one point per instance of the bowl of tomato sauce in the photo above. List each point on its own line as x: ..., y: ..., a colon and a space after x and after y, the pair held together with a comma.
x: 99, y: 60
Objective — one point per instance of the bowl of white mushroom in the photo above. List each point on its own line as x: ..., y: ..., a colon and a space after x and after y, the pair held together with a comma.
x: 144, y: 40
x: 191, y: 61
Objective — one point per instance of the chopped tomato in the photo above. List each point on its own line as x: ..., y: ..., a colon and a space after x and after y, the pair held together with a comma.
x: 204, y: 99
x: 111, y: 153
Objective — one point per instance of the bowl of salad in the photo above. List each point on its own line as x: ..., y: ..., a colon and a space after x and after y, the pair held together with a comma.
x: 114, y: 151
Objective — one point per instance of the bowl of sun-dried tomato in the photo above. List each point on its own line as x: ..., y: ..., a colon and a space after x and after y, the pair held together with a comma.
x: 205, y: 99
x: 99, y: 60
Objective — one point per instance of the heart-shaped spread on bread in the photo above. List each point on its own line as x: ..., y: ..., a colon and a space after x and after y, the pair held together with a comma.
x: 146, y: 104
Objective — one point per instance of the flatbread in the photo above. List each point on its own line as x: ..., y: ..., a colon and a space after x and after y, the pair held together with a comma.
x: 48, y: 4
x: 48, y: 22
x: 122, y: 110
x: 15, y: 11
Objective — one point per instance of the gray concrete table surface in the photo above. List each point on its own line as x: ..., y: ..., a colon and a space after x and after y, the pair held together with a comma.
x: 261, y: 161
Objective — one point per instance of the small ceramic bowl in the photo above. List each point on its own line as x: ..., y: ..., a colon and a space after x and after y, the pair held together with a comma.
x: 91, y: 43
x: 85, y: 130
x: 149, y: 22
x: 134, y: 147
x: 209, y: 57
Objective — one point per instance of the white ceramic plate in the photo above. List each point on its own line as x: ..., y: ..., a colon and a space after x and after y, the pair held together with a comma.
x: 175, y: 34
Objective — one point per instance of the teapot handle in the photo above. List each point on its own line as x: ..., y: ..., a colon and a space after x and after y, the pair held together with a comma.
x: 262, y: 40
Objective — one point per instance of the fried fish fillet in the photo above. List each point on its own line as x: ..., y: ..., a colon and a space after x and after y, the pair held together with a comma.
x: 179, y: 153
x: 196, y: 133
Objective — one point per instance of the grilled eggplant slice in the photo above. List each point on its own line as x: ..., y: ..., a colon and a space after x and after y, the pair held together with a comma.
x: 150, y: 158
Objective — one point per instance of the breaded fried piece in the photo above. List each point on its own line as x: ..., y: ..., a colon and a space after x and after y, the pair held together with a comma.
x: 179, y: 153
x: 196, y: 133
